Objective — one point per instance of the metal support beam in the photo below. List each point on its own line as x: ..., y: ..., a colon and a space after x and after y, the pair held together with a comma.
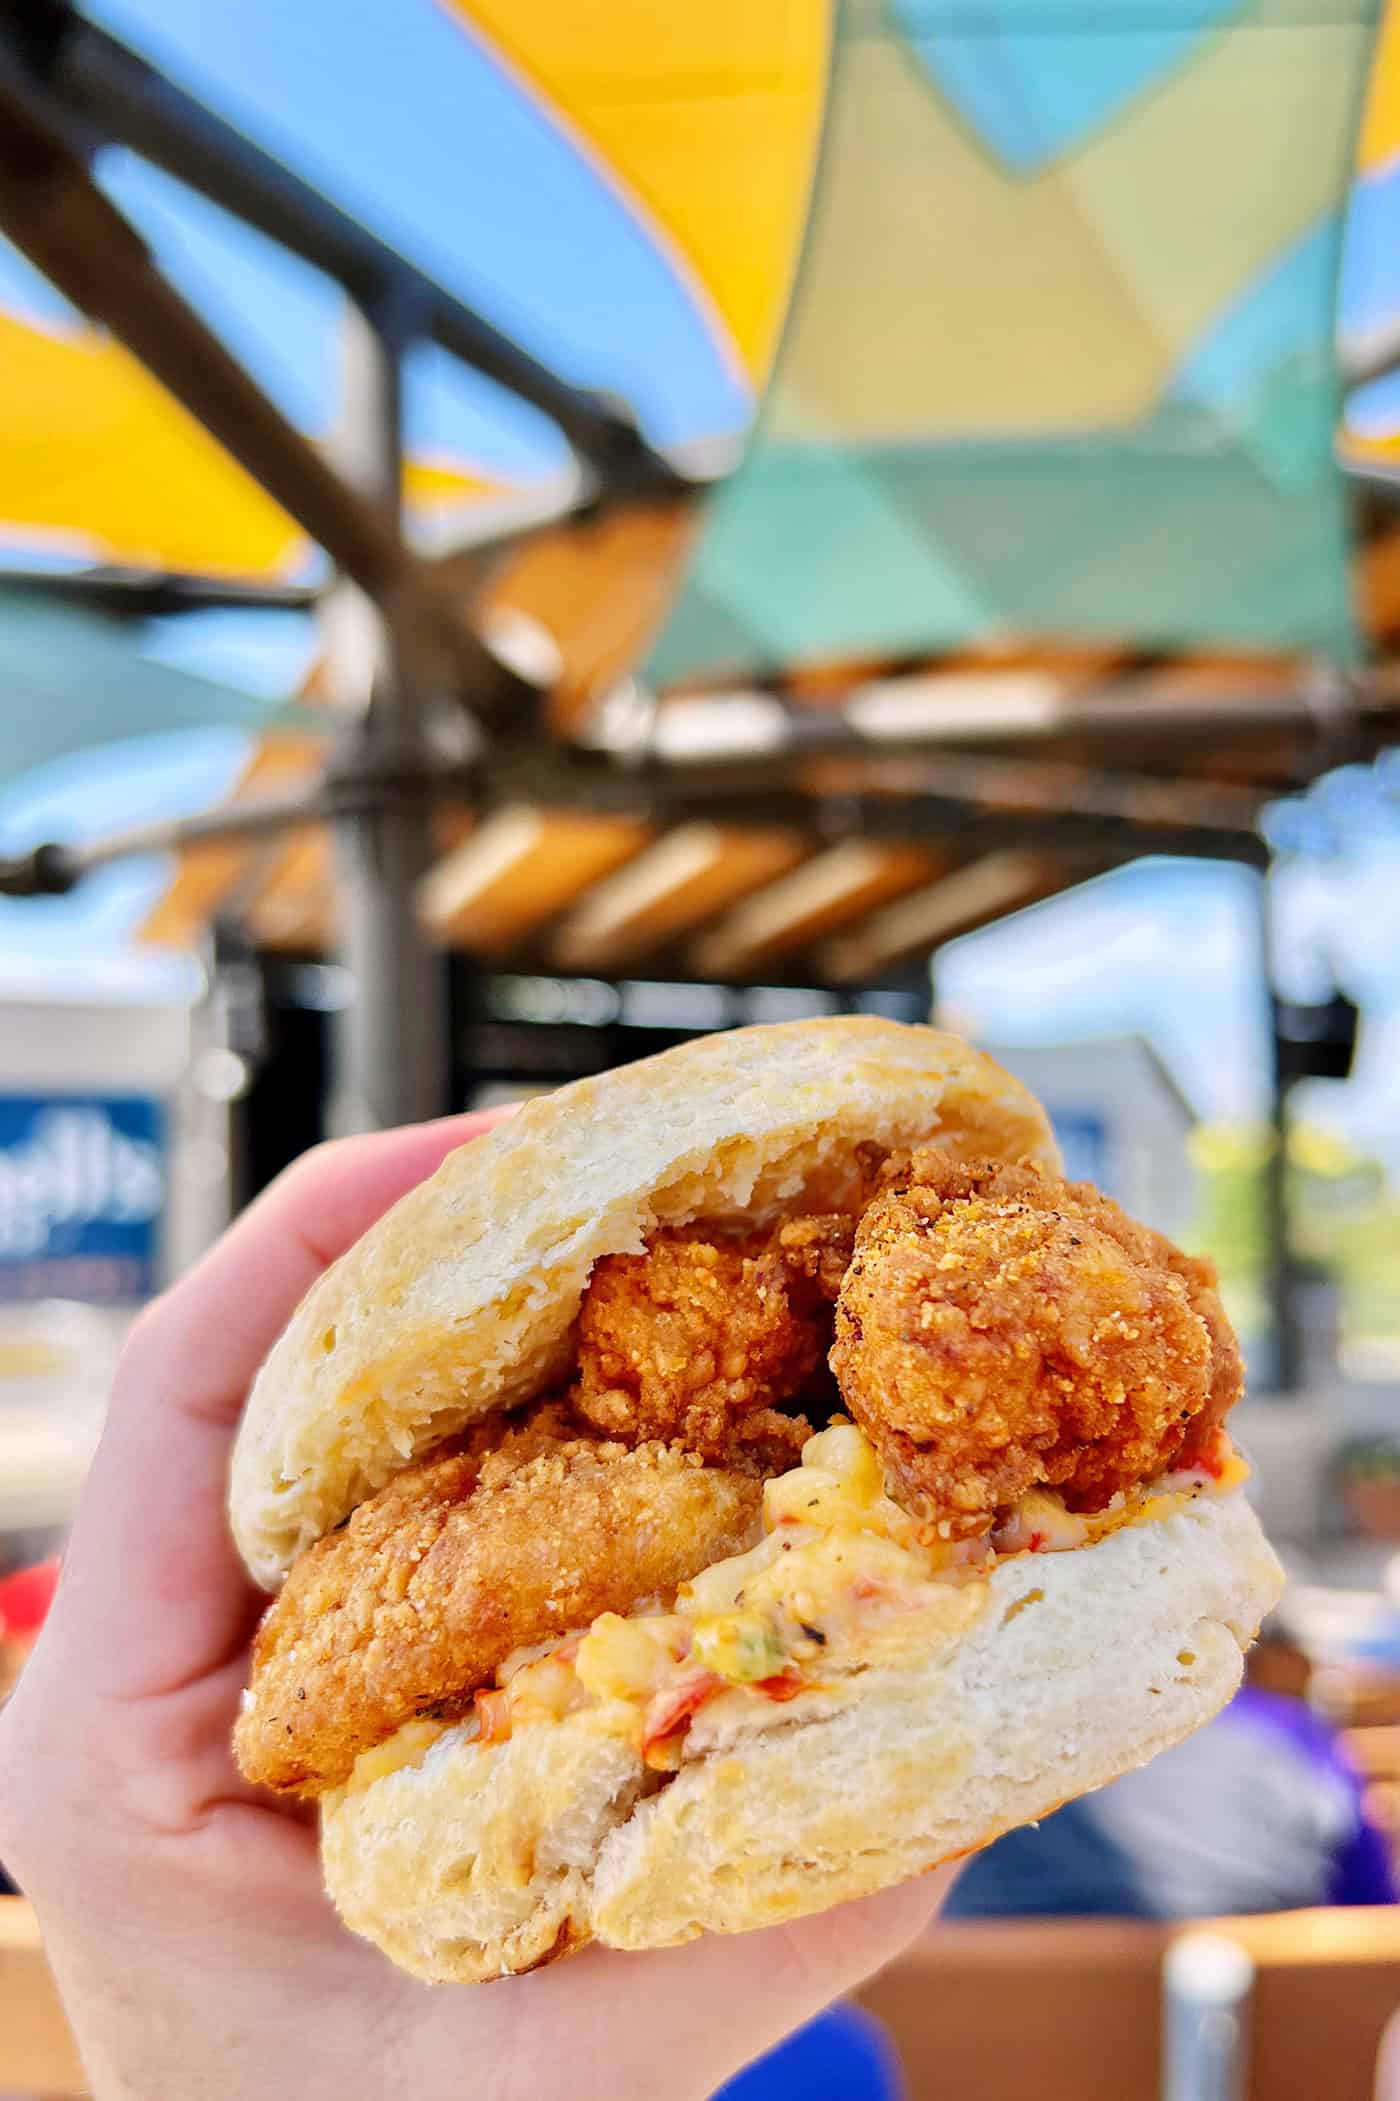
x: 1281, y: 1267
x: 390, y: 1048
x: 986, y: 708
x: 152, y: 594
x: 1107, y: 822
x: 986, y: 802
x: 936, y: 819
x: 52, y: 870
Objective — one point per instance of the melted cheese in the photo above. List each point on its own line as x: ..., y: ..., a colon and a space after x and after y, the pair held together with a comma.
x: 409, y: 1745
x: 842, y: 1575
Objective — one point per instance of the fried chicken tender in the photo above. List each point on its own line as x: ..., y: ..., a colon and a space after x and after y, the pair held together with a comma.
x: 707, y: 1341
x: 1001, y: 1330
x: 1202, y: 1280
x: 510, y: 1537
x: 818, y: 1251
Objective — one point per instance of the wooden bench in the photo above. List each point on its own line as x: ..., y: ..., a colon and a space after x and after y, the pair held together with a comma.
x: 1071, y: 2011
x: 1040, y: 2011
x: 1375, y: 1752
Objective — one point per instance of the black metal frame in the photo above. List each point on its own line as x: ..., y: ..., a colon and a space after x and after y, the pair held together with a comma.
x: 984, y: 804
x: 155, y: 594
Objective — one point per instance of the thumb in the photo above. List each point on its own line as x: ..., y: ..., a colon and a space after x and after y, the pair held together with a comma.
x: 705, y: 2010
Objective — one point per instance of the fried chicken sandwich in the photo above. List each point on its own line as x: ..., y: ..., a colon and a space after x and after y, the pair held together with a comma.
x: 736, y: 1483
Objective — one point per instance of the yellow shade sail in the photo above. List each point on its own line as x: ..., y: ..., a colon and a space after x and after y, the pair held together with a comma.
x: 706, y: 117
x: 95, y: 454
x: 1380, y: 131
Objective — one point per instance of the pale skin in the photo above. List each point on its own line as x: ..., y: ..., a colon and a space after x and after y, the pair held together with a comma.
x: 1388, y: 2070
x: 182, y: 1911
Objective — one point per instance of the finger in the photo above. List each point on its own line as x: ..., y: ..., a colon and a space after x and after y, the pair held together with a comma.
x: 152, y: 1586
x: 250, y: 1283
x: 1388, y: 2065
x: 697, y: 2014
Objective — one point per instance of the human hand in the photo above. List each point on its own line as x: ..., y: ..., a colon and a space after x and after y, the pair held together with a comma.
x: 183, y: 1913
x: 1388, y: 2064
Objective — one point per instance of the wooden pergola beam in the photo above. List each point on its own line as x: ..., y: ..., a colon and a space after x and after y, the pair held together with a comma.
x: 813, y: 901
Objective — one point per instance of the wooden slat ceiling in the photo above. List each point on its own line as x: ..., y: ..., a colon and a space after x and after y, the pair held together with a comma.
x: 579, y: 891
x: 520, y: 870
x: 955, y: 903
x: 598, y: 587
x: 686, y: 879
x: 208, y: 874
x: 826, y: 893
x: 1378, y: 584
x: 290, y: 902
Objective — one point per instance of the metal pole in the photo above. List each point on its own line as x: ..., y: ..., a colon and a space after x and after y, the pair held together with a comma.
x: 390, y: 1050
x: 1281, y: 1271
x: 1207, y: 1983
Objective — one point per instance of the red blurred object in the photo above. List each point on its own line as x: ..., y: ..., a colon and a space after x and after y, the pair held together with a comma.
x: 25, y: 1598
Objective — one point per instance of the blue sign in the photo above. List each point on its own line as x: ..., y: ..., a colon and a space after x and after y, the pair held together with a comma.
x: 82, y: 1185
x: 1084, y: 1144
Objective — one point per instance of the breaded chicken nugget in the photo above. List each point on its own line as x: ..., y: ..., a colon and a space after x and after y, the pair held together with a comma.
x: 1202, y: 1280
x: 1001, y: 1330
x: 430, y: 1585
x: 704, y: 1340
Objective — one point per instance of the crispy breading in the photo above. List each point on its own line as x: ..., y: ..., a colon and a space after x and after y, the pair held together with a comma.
x: 707, y: 1340
x: 1000, y: 1330
x: 817, y: 1253
x: 429, y: 1586
x: 995, y: 1330
x: 1202, y: 1280
x: 530, y: 1526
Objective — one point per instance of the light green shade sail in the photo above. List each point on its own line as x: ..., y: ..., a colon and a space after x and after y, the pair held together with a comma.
x: 1071, y: 380
x: 70, y: 679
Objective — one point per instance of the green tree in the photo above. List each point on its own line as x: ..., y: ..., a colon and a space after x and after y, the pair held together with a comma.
x: 1344, y: 1214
